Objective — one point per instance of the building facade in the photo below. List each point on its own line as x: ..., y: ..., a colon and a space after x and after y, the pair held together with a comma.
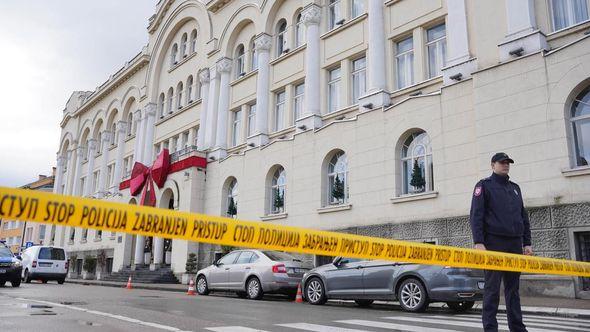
x: 366, y: 116
x: 16, y: 233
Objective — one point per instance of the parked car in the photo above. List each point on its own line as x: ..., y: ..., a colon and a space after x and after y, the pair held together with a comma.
x: 10, y: 267
x: 44, y: 263
x: 413, y: 285
x: 252, y: 273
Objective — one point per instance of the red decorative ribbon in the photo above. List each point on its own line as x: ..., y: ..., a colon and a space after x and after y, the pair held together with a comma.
x: 141, y: 174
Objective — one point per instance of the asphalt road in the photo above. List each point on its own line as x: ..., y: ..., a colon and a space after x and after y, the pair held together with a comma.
x: 69, y: 307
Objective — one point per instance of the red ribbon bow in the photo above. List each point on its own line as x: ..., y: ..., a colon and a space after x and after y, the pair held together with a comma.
x: 142, y: 174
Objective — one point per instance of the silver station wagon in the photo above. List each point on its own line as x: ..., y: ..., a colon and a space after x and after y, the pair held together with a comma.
x: 413, y: 285
x: 252, y: 273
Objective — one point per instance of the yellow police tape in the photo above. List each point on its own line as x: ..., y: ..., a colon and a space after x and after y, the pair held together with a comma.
x: 71, y: 211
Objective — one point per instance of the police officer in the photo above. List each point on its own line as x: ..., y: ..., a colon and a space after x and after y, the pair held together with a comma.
x: 499, y: 222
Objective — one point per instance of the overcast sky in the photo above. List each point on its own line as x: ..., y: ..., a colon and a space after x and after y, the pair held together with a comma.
x: 47, y: 50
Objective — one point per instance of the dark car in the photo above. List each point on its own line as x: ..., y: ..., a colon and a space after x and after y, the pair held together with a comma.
x: 10, y: 267
x: 413, y: 285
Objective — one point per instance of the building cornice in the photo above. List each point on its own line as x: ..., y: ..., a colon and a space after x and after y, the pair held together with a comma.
x: 215, y: 5
x: 158, y: 17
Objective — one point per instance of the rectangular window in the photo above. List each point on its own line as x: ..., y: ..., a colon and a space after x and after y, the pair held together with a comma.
x: 82, y: 185
x: 96, y: 175
x: 359, y: 79
x: 356, y: 8
x: 29, y: 234
x: 334, y: 14
x: 437, y: 50
x: 404, y: 63
x: 251, y: 119
x: 280, y: 111
x: 110, y: 175
x: 299, y: 32
x: 166, y: 145
x: 196, y: 136
x: 236, y: 124
x: 298, y: 100
x: 174, y: 144
x: 334, y: 90
x: 42, y: 229
x: 185, y: 139
x: 566, y: 13
x: 583, y: 254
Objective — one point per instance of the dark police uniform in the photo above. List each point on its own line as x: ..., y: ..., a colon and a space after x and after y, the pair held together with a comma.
x: 500, y: 222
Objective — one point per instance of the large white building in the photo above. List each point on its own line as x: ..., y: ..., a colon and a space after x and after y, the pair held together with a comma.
x: 366, y: 116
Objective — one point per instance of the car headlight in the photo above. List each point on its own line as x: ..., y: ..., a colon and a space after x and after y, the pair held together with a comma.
x: 17, y: 264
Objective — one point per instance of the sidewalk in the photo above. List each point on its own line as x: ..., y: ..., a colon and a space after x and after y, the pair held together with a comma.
x: 530, y: 305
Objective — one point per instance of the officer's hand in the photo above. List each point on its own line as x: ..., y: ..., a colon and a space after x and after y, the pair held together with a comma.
x: 480, y: 246
x: 528, y: 250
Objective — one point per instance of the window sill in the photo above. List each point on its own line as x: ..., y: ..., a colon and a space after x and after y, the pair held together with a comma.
x: 129, y: 137
x: 417, y: 86
x: 576, y: 171
x: 112, y: 147
x: 178, y: 111
x: 391, y: 2
x: 346, y: 24
x: 274, y: 216
x: 281, y: 132
x: 340, y: 112
x: 236, y: 149
x: 288, y: 54
x: 243, y: 78
x: 414, y: 197
x: 569, y: 30
x: 98, y: 239
x: 334, y: 208
x: 181, y: 62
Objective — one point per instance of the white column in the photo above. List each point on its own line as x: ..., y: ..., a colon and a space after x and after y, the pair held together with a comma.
x: 70, y: 172
x: 459, y: 64
x: 59, y: 175
x: 148, y: 139
x: 103, y: 178
x: 262, y: 44
x: 79, y: 157
x: 224, y: 69
x: 118, y: 176
x: 138, y: 147
x: 520, y: 16
x: 89, y: 189
x: 212, y: 108
x: 310, y: 119
x: 158, y: 251
x: 139, y: 244
x: 522, y: 35
x: 204, y: 79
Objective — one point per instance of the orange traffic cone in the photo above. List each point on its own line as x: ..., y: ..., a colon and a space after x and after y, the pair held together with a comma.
x: 191, y: 288
x: 299, y: 296
x: 129, y: 283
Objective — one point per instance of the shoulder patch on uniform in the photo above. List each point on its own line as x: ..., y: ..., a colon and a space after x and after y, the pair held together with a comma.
x: 477, y: 191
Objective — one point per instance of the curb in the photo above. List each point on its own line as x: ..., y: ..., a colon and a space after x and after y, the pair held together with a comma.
x: 122, y: 285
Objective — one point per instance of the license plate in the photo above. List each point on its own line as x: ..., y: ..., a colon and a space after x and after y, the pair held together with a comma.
x: 481, y: 284
x: 2, y: 271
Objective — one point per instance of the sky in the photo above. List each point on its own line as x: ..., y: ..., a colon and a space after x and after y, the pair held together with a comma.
x: 48, y: 49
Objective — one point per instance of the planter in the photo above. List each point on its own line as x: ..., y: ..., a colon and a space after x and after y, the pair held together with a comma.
x: 186, y: 277
x: 147, y: 258
x: 87, y: 275
x: 168, y: 258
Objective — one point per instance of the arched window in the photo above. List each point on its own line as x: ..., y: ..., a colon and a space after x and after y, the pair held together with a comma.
x: 129, y: 123
x: 299, y: 31
x: 170, y: 99
x: 334, y: 16
x: 253, y: 55
x: 232, y: 199
x: 337, y: 189
x: 240, y: 61
x: 161, y: 101
x: 277, y: 191
x: 189, y: 89
x: 99, y: 143
x: 580, y: 120
x: 194, y: 41
x: 179, y: 88
x: 173, y: 54
x: 113, y: 134
x: 281, y: 37
x: 417, y: 164
x: 183, y: 44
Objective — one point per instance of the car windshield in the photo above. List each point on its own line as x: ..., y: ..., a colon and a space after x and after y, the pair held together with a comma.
x: 56, y: 254
x: 279, y: 256
x: 4, y: 253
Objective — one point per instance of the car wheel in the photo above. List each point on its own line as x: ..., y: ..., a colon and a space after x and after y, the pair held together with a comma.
x: 2, y: 283
x: 61, y: 281
x: 315, y: 292
x: 254, y: 289
x: 15, y: 283
x: 242, y: 294
x: 364, y: 303
x: 461, y: 306
x: 412, y: 295
x: 202, y: 287
x: 27, y: 278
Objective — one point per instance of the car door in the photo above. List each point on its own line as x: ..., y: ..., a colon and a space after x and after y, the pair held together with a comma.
x: 219, y: 274
x: 378, y: 278
x: 345, y: 278
x: 44, y: 260
x: 239, y: 270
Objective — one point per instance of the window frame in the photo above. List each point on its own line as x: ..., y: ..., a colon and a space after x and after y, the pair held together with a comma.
x: 441, y: 51
x: 334, y: 84
x: 426, y: 156
x: 332, y: 172
x: 240, y: 61
x: 280, y: 108
x: 281, y: 37
x: 407, y: 56
x: 334, y: 13
x: 236, y: 126
x: 570, y: 18
x: 298, y: 101
x: 276, y: 186
x: 361, y: 75
x: 574, y: 120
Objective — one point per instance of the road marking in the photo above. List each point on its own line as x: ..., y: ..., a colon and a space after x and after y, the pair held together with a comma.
x: 393, y: 326
x: 547, y: 322
x: 446, y: 321
x: 319, y: 328
x: 233, y: 329
x: 106, y: 314
x: 552, y: 318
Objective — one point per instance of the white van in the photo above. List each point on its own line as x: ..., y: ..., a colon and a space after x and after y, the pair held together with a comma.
x: 44, y: 263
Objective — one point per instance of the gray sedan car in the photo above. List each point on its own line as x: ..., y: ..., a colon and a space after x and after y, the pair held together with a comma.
x: 251, y: 273
x: 413, y: 285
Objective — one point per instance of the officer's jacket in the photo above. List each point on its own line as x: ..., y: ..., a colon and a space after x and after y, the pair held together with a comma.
x: 497, y: 208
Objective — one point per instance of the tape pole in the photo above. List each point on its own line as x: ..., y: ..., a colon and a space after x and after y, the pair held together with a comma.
x: 60, y: 210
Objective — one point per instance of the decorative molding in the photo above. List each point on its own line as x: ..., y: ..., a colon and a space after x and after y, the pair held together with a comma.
x: 224, y: 65
x: 274, y: 216
x: 577, y: 171
x: 263, y: 43
x: 414, y: 197
x: 121, y: 127
x: 334, y: 208
x: 204, y: 76
x: 311, y: 15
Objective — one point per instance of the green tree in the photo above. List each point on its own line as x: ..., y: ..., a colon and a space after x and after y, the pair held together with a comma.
x: 417, y: 180
x: 279, y: 200
x: 191, y: 263
x: 232, y: 207
x: 338, y: 189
